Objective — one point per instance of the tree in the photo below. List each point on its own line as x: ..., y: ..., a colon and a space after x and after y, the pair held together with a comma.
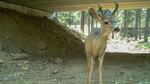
x: 70, y: 19
x: 125, y: 23
x: 139, y: 25
x: 136, y: 24
x: 89, y: 22
x: 146, y: 31
x: 92, y: 24
x: 82, y: 20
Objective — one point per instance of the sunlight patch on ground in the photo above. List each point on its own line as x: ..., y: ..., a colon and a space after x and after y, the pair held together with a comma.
x: 124, y: 46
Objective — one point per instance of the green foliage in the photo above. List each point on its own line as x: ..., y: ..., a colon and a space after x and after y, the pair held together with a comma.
x: 129, y: 14
x: 145, y: 45
x: 66, y: 17
x: 75, y: 16
x: 120, y: 81
x: 143, y: 14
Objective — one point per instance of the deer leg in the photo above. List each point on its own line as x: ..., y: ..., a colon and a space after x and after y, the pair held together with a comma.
x: 90, y: 62
x: 101, y: 60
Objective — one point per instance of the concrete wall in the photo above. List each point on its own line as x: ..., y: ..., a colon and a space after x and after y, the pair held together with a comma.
x: 26, y: 10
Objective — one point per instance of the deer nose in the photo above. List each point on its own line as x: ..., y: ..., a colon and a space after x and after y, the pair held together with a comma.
x: 117, y: 29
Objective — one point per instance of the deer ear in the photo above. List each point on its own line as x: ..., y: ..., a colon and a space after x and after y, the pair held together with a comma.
x: 93, y: 14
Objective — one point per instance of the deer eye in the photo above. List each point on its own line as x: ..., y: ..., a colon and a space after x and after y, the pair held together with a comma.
x: 106, y: 22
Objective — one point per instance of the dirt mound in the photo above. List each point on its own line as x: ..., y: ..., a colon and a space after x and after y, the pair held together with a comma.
x: 37, y: 36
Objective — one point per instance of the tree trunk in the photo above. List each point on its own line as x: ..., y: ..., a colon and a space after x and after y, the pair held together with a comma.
x: 146, y: 26
x: 75, y: 25
x: 114, y: 20
x: 89, y: 30
x: 136, y: 24
x: 96, y: 24
x: 56, y: 15
x: 125, y: 23
x: 140, y: 24
x: 92, y: 24
x: 69, y: 19
x: 82, y: 20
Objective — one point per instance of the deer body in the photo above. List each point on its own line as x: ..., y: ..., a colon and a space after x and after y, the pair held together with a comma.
x: 95, y: 44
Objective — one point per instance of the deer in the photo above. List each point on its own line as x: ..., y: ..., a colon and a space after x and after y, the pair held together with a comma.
x: 95, y: 44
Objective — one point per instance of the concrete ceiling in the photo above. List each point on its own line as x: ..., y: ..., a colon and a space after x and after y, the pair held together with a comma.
x: 64, y: 5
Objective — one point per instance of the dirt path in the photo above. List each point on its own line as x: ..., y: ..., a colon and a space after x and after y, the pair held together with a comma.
x: 119, y: 69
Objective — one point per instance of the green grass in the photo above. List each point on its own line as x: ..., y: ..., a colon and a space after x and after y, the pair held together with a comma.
x: 145, y: 45
x: 144, y: 83
x: 123, y: 82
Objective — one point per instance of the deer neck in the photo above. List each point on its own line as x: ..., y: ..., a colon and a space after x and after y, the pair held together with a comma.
x: 103, y: 37
x: 101, y: 42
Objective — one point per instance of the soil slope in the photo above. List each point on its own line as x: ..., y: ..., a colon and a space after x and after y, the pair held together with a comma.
x: 37, y: 36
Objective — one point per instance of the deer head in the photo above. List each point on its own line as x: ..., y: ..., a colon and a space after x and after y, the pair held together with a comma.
x: 105, y: 17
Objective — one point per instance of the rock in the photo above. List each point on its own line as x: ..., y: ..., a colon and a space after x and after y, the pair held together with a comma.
x: 55, y: 71
x: 41, y: 45
x: 1, y: 62
x: 19, y: 56
x: 55, y: 80
x: 58, y: 61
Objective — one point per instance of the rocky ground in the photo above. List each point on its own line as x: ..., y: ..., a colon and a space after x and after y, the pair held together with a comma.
x: 118, y: 69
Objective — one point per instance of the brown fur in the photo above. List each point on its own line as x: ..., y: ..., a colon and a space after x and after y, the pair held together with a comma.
x: 95, y: 45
